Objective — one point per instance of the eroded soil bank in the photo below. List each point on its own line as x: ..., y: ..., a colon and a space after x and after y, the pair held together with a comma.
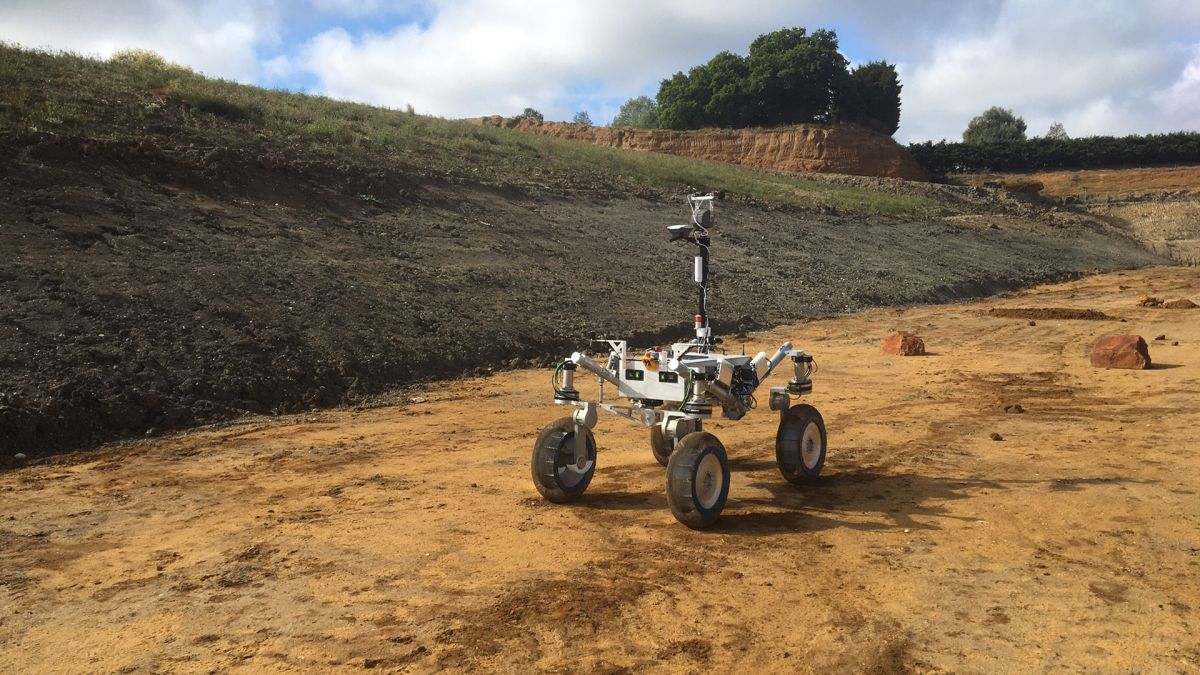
x: 410, y: 538
x: 147, y: 287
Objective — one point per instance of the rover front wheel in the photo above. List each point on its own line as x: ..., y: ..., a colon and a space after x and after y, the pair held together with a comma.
x: 698, y: 479
x: 800, y: 444
x: 556, y: 474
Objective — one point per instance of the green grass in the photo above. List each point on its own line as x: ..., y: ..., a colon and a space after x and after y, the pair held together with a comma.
x: 136, y: 95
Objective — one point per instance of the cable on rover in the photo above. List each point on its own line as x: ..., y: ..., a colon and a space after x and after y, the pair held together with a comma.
x: 687, y: 392
x: 554, y: 378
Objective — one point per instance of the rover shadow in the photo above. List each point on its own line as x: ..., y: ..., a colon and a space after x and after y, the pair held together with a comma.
x: 864, y: 500
x: 836, y: 500
x: 874, y: 501
x: 621, y: 500
x: 867, y: 500
x: 749, y: 464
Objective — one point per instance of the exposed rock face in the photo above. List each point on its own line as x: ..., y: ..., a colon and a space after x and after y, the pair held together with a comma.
x: 1121, y: 351
x: 843, y: 148
x: 902, y: 343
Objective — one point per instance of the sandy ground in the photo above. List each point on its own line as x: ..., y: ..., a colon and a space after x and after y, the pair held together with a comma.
x: 410, y: 538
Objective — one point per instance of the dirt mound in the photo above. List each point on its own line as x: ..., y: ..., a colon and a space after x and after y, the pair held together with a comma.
x: 1018, y: 184
x: 1181, y: 303
x: 1050, y: 313
x: 1103, y: 183
x: 845, y: 148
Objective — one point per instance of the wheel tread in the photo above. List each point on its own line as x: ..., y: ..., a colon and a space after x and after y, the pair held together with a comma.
x: 788, y: 455
x: 681, y: 472
x: 542, y: 463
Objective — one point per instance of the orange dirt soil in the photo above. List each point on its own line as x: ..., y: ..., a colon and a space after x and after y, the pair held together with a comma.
x: 1101, y: 182
x: 803, y: 148
x: 410, y: 538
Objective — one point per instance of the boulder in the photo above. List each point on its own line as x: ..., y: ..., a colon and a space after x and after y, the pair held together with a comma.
x: 1121, y: 351
x: 902, y: 343
x: 1148, y: 301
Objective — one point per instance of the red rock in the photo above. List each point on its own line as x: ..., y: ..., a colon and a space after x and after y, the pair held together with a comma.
x: 1121, y: 351
x: 1148, y: 301
x: 902, y: 343
x: 1182, y: 303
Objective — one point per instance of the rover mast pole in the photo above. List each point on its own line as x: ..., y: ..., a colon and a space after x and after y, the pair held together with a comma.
x: 702, y: 277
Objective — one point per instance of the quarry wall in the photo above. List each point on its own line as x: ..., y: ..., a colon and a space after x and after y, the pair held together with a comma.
x: 845, y: 149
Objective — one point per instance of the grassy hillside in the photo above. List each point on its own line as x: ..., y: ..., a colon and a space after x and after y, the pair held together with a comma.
x: 137, y: 95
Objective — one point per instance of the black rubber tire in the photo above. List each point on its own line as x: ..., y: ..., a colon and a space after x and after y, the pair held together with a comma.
x: 553, y: 453
x: 660, y: 445
x: 789, y: 441
x: 694, y: 499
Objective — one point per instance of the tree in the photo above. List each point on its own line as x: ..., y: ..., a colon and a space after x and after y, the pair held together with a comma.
x: 995, y: 125
x: 870, y: 96
x: 1058, y: 132
x: 639, y: 113
x: 793, y: 76
x: 729, y: 104
x: 788, y: 77
x: 681, y: 100
x: 712, y: 95
x: 582, y: 117
x: 531, y: 114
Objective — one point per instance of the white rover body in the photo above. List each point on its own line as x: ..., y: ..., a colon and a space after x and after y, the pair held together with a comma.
x: 672, y: 391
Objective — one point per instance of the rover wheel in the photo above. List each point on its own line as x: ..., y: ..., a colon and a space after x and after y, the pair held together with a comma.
x: 555, y: 473
x: 698, y: 479
x: 661, y: 445
x: 800, y: 444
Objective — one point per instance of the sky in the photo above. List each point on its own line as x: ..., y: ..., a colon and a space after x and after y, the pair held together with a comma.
x: 1096, y: 66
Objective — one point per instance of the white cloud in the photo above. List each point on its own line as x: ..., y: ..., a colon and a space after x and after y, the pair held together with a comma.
x: 220, y: 38
x: 1098, y: 66
x: 499, y: 56
x: 1180, y: 103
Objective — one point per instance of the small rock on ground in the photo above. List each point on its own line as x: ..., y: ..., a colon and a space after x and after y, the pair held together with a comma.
x: 902, y: 343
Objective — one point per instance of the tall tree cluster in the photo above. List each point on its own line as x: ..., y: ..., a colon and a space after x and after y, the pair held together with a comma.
x: 788, y: 77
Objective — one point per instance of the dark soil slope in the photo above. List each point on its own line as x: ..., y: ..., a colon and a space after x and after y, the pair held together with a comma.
x: 145, y: 285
